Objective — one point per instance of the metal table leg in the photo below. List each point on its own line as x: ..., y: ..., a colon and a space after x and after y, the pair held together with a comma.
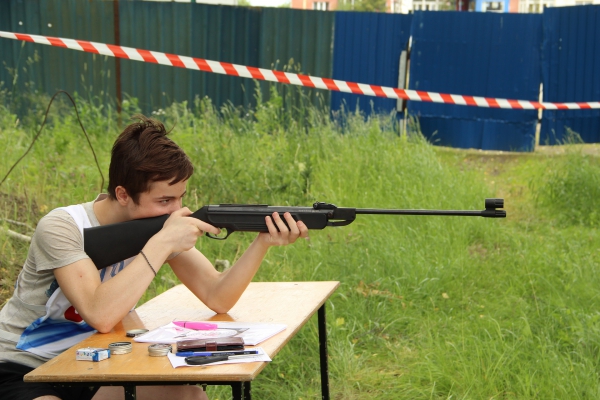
x: 236, y: 390
x: 247, y: 391
x: 129, y: 392
x: 241, y: 391
x: 323, y: 353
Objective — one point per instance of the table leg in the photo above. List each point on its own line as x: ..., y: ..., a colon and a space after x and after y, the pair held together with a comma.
x: 247, y: 391
x: 323, y: 353
x: 241, y: 391
x: 129, y: 392
x: 236, y: 391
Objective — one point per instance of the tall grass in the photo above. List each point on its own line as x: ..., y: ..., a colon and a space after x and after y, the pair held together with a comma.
x: 571, y: 187
x: 429, y: 307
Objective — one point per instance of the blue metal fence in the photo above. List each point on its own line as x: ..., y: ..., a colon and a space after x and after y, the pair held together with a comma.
x: 367, y: 49
x: 571, y: 65
x: 477, y: 54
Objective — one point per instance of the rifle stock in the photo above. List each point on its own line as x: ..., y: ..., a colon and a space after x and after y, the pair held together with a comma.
x: 109, y: 244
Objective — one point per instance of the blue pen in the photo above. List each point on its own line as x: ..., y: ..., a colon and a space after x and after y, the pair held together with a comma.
x: 218, y: 353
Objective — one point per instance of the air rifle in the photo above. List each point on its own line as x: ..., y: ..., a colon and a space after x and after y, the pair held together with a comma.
x: 109, y: 244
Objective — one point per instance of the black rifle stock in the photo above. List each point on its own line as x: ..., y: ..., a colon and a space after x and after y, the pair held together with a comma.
x: 109, y: 244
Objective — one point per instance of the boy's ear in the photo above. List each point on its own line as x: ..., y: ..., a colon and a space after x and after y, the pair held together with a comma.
x: 122, y: 196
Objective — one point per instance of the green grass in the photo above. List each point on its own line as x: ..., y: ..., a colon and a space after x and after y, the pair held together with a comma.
x: 428, y: 307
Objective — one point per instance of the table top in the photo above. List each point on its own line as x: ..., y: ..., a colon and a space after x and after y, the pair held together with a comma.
x: 290, y: 303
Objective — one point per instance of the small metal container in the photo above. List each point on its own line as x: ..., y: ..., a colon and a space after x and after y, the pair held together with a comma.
x: 159, y: 349
x: 120, y: 348
x: 135, y: 332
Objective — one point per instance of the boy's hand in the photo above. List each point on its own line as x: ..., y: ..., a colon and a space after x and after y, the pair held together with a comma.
x: 279, y: 234
x: 181, y: 232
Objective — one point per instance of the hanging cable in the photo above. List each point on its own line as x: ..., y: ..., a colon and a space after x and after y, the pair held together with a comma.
x: 40, y: 131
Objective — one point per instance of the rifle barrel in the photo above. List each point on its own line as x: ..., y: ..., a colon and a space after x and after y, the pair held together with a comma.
x: 419, y: 212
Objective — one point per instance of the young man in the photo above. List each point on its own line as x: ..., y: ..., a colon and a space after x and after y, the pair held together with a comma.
x: 60, y: 296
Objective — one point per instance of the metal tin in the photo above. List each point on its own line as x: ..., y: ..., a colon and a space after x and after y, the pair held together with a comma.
x: 135, y: 332
x: 159, y: 349
x: 120, y: 348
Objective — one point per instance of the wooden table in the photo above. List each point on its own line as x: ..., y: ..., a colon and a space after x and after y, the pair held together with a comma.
x: 290, y: 303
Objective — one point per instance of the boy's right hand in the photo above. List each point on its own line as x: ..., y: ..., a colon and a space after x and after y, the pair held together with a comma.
x: 181, y: 232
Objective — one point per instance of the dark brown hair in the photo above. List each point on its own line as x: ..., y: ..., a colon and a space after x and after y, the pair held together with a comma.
x: 143, y: 154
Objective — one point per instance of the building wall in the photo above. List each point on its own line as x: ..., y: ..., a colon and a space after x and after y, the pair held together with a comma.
x: 215, y: 2
x: 392, y: 6
x: 400, y: 6
x: 534, y: 6
x: 537, y: 6
x: 501, y: 6
x: 428, y: 5
x: 408, y: 6
x: 563, y: 3
x: 322, y: 5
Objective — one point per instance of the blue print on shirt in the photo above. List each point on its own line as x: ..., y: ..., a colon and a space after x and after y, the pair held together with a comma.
x: 52, y: 288
x: 114, y: 269
x: 43, y: 331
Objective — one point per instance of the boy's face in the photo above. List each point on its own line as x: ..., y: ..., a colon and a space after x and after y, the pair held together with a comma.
x: 161, y: 199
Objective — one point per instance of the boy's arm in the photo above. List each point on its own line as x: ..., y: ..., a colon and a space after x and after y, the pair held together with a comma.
x: 220, y: 291
x: 103, y: 305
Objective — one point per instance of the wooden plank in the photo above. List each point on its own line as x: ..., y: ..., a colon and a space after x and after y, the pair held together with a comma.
x: 290, y: 303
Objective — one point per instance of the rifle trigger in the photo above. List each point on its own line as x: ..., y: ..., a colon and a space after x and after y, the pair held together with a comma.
x: 210, y: 235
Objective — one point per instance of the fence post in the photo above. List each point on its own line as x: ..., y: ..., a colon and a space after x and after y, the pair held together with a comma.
x: 116, y: 25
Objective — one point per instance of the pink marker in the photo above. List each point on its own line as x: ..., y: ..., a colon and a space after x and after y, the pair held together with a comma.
x: 199, y: 326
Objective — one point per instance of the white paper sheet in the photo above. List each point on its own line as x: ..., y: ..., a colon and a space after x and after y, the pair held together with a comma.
x: 177, y: 362
x: 253, y: 333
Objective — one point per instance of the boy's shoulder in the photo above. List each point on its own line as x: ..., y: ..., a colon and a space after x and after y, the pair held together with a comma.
x: 55, y: 218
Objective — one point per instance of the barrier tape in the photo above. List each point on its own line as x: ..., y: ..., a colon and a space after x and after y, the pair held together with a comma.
x: 290, y: 78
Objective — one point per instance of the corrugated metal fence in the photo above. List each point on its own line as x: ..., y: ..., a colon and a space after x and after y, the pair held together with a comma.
x: 267, y: 38
x: 571, y: 65
x: 49, y: 68
x: 492, y: 55
x: 367, y: 50
x: 477, y: 54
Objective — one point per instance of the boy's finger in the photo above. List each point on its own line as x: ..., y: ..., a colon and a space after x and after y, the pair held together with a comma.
x: 204, y: 227
x: 303, y: 229
x: 271, y: 227
x: 280, y: 224
x: 184, y: 211
x: 292, y: 224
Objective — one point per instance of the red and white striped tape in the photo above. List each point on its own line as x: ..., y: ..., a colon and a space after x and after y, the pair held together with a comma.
x: 290, y: 78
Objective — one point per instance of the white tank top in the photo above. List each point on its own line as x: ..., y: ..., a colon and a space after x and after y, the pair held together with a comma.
x: 62, y: 327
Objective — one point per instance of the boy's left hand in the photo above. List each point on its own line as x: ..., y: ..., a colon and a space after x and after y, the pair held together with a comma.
x: 279, y: 234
